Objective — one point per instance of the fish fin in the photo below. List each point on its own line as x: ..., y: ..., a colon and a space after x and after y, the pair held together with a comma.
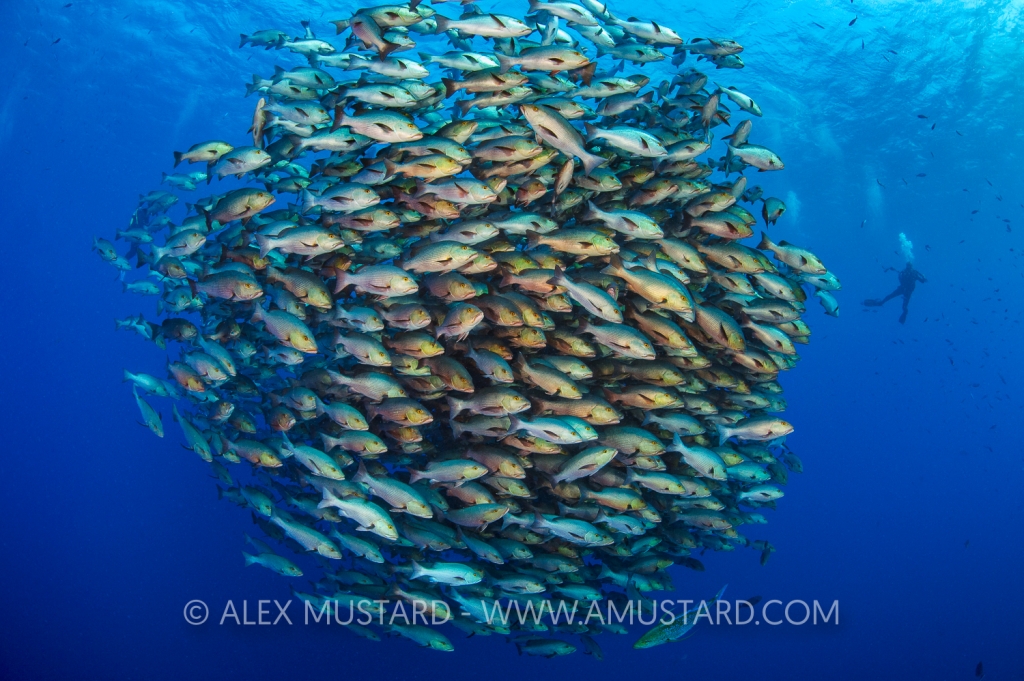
x: 765, y: 242
x: 249, y: 560
x: 532, y: 241
x: 177, y: 154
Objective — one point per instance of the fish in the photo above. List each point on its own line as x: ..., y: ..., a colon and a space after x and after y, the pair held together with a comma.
x: 678, y: 628
x: 271, y: 561
x: 480, y: 287
x: 151, y: 418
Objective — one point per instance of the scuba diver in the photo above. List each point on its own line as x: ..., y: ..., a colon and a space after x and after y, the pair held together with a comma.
x: 908, y: 281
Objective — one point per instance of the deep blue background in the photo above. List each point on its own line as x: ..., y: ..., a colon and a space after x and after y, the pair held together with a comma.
x: 909, y: 434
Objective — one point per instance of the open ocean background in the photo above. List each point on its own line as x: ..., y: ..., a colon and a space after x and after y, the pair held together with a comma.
x: 911, y: 507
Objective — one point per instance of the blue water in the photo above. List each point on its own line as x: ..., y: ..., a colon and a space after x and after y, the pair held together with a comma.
x: 909, y: 512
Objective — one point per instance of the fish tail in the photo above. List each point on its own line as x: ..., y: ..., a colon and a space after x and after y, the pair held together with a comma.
x: 520, y: 362
x: 443, y: 23
x: 341, y: 281
x: 244, y: 38
x: 340, y: 25
x: 388, y: 48
x: 723, y: 433
x: 455, y: 406
x: 177, y: 157
x: 532, y: 241
x: 249, y: 560
x: 450, y: 87
x: 328, y: 498
x: 677, y: 444
x: 307, y: 199
x: 361, y: 474
x: 765, y: 242
x: 615, y: 262
x: 505, y: 63
x: 253, y: 86
x: 265, y: 244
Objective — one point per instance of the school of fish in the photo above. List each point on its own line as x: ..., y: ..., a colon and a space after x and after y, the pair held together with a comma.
x: 477, y: 315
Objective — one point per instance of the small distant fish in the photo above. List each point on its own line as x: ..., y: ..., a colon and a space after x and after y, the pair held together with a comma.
x: 921, y: 116
x: 852, y: 21
x: 55, y: 41
x: 979, y: 671
x: 817, y: 24
x: 922, y: 174
x: 879, y: 183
